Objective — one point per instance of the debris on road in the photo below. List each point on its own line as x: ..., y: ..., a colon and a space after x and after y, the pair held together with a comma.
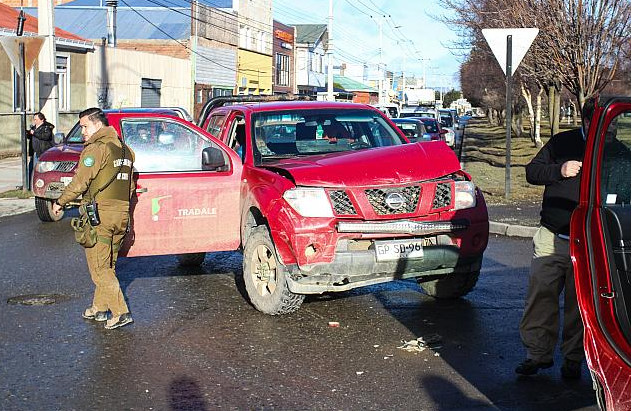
x: 432, y: 342
x: 334, y: 324
x: 359, y: 372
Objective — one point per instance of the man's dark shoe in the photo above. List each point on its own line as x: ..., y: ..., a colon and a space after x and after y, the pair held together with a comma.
x: 91, y: 313
x: 531, y: 367
x: 116, y: 322
x: 571, y: 370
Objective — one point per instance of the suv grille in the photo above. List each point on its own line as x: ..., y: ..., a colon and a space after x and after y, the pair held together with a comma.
x: 65, y: 166
x: 342, y: 203
x: 442, y: 195
x: 394, y: 200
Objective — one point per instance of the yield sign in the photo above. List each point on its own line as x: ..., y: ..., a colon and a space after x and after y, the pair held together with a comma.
x: 521, y: 41
x: 32, y: 46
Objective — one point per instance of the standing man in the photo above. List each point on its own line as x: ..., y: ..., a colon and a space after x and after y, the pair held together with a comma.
x: 557, y: 167
x: 40, y: 138
x: 105, y: 175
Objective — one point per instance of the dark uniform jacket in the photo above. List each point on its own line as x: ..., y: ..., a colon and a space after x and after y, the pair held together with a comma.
x: 101, y: 159
x: 561, y: 194
x: 42, y: 138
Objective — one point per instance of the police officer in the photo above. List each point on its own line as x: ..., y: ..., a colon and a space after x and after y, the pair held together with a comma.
x: 105, y: 174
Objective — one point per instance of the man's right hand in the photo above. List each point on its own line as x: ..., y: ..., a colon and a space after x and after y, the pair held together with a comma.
x: 570, y: 168
x: 56, y: 208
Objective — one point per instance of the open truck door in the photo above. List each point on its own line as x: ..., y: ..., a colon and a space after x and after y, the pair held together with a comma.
x: 601, y: 251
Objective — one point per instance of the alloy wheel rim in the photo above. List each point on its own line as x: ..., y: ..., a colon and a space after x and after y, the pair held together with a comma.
x: 264, y: 271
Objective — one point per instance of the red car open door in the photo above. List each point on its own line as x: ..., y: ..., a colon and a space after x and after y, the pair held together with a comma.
x: 601, y: 251
x: 180, y: 207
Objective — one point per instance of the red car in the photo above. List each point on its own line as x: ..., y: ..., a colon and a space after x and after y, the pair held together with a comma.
x: 319, y: 196
x: 601, y: 251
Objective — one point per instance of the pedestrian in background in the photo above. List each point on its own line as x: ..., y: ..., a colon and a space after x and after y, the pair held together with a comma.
x: 557, y: 167
x: 40, y: 137
x: 105, y: 176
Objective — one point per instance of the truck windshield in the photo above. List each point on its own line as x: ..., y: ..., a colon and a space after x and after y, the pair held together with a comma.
x: 309, y: 132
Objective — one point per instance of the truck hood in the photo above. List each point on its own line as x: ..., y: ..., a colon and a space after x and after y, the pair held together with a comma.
x: 62, y: 152
x: 402, y: 164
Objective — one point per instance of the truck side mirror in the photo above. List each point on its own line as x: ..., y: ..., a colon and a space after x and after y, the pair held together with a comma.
x: 58, y: 138
x: 213, y: 159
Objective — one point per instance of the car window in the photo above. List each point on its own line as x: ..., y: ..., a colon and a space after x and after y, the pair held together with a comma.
x: 446, y: 121
x: 75, y: 135
x: 409, y: 129
x: 615, y: 183
x: 163, y: 145
x: 308, y: 132
x: 431, y: 126
x: 215, y: 125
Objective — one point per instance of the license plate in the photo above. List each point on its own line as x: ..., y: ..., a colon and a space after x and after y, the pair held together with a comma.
x: 66, y: 180
x: 401, y: 249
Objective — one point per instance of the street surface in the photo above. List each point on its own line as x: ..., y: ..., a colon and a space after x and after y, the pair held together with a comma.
x: 197, y: 344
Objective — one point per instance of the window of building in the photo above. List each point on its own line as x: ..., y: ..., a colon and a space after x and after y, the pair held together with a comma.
x: 282, y: 70
x: 30, y: 91
x: 62, y: 72
x: 243, y: 37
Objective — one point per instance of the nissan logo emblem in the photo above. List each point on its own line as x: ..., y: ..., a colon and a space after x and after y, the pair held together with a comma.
x: 395, y: 201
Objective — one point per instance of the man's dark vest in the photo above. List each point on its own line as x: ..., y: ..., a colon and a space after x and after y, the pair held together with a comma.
x: 118, y: 164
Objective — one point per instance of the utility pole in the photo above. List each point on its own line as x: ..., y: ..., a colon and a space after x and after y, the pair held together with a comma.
x: 381, y: 60
x: 48, y: 81
x: 329, y: 86
x: 26, y: 178
x: 403, y: 80
x: 111, y: 22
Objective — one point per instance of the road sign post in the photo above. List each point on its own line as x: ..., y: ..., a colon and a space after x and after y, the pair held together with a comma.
x: 509, y: 47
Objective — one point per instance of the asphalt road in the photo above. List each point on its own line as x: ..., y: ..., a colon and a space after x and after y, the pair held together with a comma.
x: 197, y: 344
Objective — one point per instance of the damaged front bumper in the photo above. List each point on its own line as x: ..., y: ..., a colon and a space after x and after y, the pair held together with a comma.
x: 359, y: 268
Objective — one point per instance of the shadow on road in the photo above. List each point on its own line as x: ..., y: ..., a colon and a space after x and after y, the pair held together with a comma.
x: 185, y: 395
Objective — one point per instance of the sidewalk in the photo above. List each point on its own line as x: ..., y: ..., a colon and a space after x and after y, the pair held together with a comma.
x: 10, y: 178
x: 511, y: 220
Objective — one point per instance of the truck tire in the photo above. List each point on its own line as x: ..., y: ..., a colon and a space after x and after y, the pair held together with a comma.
x: 190, y: 260
x: 453, y: 285
x: 265, y: 277
x: 44, y: 208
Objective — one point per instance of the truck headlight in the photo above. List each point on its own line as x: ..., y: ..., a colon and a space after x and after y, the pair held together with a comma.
x: 45, y: 166
x: 309, y: 202
x: 464, y: 196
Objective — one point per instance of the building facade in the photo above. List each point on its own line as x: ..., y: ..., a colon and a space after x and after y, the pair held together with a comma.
x: 254, y: 69
x: 310, y: 61
x: 72, y: 53
x: 283, y: 59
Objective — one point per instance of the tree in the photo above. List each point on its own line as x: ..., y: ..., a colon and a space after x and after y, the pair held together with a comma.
x: 450, y: 96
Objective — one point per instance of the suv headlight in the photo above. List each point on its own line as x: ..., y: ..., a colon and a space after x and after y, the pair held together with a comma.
x: 45, y: 166
x: 464, y: 196
x: 309, y: 202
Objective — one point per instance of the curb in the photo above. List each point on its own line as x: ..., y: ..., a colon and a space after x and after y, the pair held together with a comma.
x: 512, y: 230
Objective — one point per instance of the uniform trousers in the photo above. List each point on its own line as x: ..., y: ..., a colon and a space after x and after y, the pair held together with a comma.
x: 551, y: 272
x: 101, y: 261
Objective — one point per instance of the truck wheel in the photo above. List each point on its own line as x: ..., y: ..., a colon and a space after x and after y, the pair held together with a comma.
x: 44, y: 208
x: 265, y: 277
x: 190, y: 260
x: 453, y: 285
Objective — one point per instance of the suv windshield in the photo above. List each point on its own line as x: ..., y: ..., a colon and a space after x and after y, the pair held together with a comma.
x: 308, y: 132
x: 75, y: 135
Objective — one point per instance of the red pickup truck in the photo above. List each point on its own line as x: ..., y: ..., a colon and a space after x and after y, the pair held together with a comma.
x: 319, y: 196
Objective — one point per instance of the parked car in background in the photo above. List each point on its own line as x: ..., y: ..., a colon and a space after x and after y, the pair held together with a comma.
x: 420, y: 128
x: 391, y: 110
x: 55, y: 168
x: 447, y: 123
x: 418, y: 111
x: 600, y: 244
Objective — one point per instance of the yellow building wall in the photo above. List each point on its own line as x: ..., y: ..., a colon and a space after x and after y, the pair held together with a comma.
x: 254, y: 73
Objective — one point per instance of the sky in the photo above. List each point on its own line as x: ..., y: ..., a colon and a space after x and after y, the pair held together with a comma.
x: 356, y: 34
